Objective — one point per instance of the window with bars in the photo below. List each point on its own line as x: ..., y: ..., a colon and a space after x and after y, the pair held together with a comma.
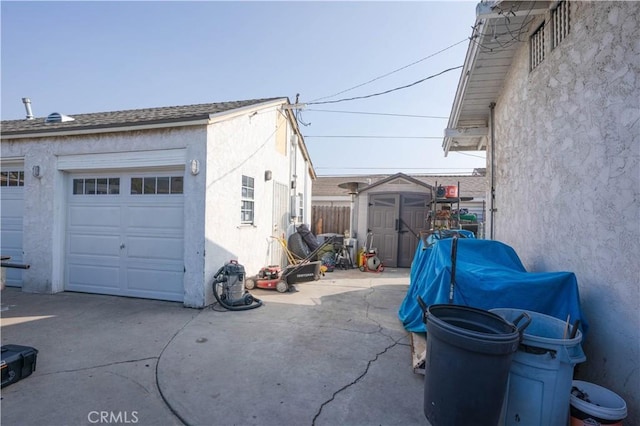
x: 560, y: 23
x: 247, y: 207
x: 536, y: 47
x: 12, y: 178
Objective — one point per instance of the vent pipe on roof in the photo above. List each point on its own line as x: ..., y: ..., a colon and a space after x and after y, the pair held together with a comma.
x: 27, y: 106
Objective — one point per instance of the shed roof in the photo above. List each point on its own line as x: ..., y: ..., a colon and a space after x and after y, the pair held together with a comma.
x: 470, y: 186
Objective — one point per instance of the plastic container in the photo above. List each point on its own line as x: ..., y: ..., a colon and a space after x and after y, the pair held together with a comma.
x: 541, y: 373
x: 593, y: 405
x: 451, y: 192
x: 17, y: 362
x: 469, y: 353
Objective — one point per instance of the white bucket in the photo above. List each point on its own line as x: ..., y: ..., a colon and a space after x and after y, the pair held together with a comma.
x: 598, y: 406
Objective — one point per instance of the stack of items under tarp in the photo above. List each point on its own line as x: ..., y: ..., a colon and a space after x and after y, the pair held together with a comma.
x: 488, y: 274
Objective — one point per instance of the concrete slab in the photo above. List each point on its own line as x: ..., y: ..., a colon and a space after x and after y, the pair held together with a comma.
x: 333, y: 352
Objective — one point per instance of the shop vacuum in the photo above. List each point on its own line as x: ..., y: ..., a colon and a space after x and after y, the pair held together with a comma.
x: 229, y: 289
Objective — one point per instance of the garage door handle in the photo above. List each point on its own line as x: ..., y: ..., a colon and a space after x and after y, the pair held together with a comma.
x: 121, y: 246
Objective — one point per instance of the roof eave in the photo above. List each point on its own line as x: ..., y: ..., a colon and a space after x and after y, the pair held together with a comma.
x: 469, y: 64
x: 486, y: 18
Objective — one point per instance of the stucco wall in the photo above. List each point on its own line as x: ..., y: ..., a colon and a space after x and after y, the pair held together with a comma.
x: 45, y: 198
x: 567, y: 179
x: 244, y: 145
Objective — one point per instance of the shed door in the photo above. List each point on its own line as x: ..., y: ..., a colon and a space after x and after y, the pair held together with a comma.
x: 413, y: 210
x: 395, y: 220
x: 383, y: 222
x: 11, y: 213
x: 125, y: 234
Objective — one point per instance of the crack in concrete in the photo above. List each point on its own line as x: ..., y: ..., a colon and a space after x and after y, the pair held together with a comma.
x: 100, y: 366
x: 369, y: 363
x: 345, y: 387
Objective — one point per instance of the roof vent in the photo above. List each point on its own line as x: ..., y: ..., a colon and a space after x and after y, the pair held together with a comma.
x: 56, y: 117
x: 27, y: 106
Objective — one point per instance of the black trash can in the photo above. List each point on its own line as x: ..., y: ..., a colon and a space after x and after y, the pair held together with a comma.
x: 469, y: 354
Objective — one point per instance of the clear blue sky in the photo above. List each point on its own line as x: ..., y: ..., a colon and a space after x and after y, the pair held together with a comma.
x: 81, y: 57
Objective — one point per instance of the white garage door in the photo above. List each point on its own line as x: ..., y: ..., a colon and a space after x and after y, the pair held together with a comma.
x: 125, y: 235
x: 11, y: 212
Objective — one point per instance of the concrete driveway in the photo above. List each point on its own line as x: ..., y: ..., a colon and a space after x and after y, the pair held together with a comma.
x: 332, y: 353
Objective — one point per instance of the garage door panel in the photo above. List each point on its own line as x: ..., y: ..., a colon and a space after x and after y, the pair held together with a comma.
x: 153, y: 218
x: 155, y: 248
x: 92, y: 277
x: 100, y: 217
x: 145, y: 282
x: 10, y: 206
x: 11, y: 223
x: 11, y: 240
x: 94, y: 244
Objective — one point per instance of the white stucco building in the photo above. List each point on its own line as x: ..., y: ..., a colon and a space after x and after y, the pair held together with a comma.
x: 552, y: 91
x: 150, y: 203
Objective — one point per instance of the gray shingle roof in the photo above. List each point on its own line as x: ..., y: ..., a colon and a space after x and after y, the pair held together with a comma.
x: 470, y: 186
x: 132, y: 117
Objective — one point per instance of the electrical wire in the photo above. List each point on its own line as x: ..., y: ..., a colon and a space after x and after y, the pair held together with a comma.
x: 249, y: 157
x: 372, y: 137
x: 378, y: 113
x: 469, y: 155
x: 392, y: 168
x: 386, y: 91
x: 392, y: 72
x: 516, y: 36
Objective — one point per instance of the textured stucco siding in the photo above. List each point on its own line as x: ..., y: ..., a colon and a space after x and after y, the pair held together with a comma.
x: 244, y: 145
x: 567, y: 179
x: 45, y: 199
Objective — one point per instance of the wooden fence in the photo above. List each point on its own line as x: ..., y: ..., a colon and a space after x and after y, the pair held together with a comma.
x: 329, y: 219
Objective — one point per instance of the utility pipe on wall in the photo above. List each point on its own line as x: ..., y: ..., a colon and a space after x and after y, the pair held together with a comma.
x: 492, y: 208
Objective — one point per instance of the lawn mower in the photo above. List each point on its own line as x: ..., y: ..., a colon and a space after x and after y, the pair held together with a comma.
x: 273, y: 276
x: 370, y: 260
x: 299, y: 270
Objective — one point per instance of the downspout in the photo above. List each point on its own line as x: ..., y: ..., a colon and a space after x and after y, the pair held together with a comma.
x: 293, y: 176
x: 492, y: 208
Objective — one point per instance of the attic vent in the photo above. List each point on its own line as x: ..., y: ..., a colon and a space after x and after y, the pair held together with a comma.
x: 56, y: 117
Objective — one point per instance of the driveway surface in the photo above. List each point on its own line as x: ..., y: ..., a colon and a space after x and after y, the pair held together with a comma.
x: 331, y: 353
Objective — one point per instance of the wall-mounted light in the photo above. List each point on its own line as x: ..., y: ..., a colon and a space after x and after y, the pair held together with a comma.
x: 195, y: 167
x: 268, y: 175
x: 35, y: 171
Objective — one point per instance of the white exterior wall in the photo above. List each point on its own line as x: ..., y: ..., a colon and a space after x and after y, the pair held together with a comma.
x: 45, y: 198
x: 243, y: 146
x: 225, y: 150
x: 567, y: 179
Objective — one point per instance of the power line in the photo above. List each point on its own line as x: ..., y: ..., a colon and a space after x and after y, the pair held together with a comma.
x: 392, y: 72
x: 393, y: 168
x: 386, y: 91
x: 372, y: 137
x: 378, y: 113
x: 469, y: 155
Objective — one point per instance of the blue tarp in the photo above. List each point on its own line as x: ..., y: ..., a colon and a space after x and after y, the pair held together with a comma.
x: 489, y: 274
